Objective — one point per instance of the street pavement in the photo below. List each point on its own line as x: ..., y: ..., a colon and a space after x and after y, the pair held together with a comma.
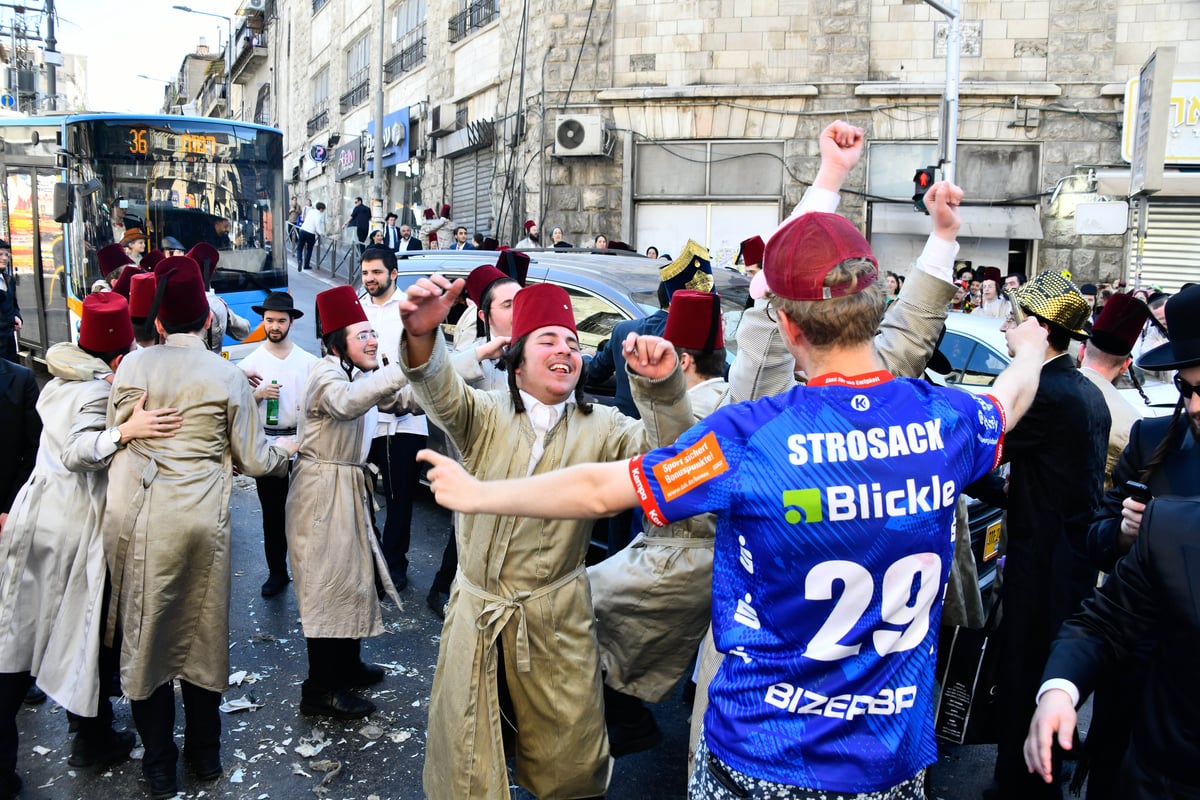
x: 275, y: 752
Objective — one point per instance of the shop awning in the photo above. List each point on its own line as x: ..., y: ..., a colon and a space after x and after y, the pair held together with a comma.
x: 978, y: 222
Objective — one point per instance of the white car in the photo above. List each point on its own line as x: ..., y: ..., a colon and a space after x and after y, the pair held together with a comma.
x: 977, y: 352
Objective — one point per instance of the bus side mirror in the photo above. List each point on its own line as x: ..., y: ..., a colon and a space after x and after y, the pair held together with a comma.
x: 64, y: 202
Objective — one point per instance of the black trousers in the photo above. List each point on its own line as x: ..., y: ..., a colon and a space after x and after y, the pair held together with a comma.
x: 155, y: 721
x: 330, y: 660
x: 448, y: 569
x: 305, y: 247
x: 13, y: 686
x: 272, y: 495
x: 396, y: 457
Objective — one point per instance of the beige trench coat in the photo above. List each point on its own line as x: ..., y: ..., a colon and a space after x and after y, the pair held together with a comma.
x: 166, y: 529
x: 653, y: 599
x: 521, y: 585
x: 51, y: 559
x: 331, y: 543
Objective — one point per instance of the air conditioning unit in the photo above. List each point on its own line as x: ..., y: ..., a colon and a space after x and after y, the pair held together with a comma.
x: 442, y: 120
x: 254, y: 5
x: 580, y: 135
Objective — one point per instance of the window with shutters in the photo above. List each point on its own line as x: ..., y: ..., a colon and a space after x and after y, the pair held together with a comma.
x: 358, y: 79
x: 319, y: 117
x: 408, y: 38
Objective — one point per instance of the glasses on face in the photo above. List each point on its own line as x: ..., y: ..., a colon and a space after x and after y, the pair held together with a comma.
x: 366, y: 336
x: 1186, y: 390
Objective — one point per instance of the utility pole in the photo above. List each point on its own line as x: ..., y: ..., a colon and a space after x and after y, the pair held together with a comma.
x: 377, y: 139
x: 52, y: 61
x: 948, y: 134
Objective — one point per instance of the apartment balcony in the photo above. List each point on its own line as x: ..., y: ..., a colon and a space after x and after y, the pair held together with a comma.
x: 214, y: 99
x: 318, y: 121
x: 406, y: 58
x: 250, y: 52
x: 360, y: 84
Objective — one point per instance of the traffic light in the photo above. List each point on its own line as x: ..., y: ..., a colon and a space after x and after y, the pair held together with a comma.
x: 921, y: 183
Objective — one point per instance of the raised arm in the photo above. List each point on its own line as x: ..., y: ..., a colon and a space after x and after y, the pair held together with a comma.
x: 1015, y: 388
x: 584, y: 491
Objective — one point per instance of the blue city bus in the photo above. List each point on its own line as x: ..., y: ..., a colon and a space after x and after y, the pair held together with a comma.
x: 74, y: 183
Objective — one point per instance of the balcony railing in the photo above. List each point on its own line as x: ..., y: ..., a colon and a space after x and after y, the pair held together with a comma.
x: 263, y: 118
x: 476, y: 15
x: 408, y: 56
x: 318, y: 121
x: 360, y: 88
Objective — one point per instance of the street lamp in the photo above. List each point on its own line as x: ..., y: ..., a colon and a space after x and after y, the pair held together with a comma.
x: 228, y: 51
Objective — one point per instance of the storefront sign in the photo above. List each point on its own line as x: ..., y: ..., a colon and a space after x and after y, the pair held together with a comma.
x: 395, y: 140
x: 1183, y: 122
x: 347, y: 160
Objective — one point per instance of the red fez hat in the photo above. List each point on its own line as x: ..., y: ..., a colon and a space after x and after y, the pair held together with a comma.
x: 181, y: 289
x: 515, y: 264
x: 151, y: 259
x: 752, y: 251
x: 480, y: 280
x: 694, y: 321
x: 804, y: 250
x: 991, y: 274
x: 339, y: 308
x: 111, y: 258
x: 207, y: 257
x: 545, y: 305
x: 141, y: 295
x: 121, y: 287
x: 529, y: 224
x: 446, y: 210
x: 105, y: 326
x: 1117, y: 328
x: 429, y: 213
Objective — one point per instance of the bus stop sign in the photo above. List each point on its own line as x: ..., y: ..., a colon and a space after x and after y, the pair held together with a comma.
x: 7, y: 101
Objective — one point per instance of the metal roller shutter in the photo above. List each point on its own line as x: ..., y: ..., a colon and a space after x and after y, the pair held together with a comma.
x: 1172, y: 253
x: 471, y: 191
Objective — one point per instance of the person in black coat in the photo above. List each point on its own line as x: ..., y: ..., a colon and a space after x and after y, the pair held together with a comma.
x: 1164, y: 454
x: 10, y: 310
x: 1151, y: 595
x: 1056, y: 457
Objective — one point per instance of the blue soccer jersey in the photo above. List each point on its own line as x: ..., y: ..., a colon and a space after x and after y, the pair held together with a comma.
x: 835, y: 529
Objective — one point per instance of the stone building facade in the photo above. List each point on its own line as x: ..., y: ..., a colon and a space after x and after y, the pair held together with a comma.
x: 653, y: 122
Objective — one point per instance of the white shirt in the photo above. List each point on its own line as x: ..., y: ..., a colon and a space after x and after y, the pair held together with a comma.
x: 542, y: 417
x: 314, y: 222
x: 290, y: 373
x: 385, y: 319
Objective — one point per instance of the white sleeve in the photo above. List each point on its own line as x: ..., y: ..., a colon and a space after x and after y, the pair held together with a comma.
x: 1059, y: 683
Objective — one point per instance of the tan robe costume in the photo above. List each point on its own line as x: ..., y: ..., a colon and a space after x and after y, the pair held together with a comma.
x: 521, y: 585
x: 166, y: 530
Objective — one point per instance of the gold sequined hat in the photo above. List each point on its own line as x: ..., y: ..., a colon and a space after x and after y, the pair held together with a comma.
x: 1053, y: 298
x: 691, y: 270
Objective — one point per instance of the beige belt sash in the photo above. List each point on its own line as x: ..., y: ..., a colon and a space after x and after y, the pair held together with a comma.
x: 498, y: 610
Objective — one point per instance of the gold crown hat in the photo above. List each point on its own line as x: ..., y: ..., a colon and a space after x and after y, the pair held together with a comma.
x: 692, y: 269
x: 1055, y: 299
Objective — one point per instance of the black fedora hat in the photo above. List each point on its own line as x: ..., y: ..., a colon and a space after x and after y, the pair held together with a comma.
x: 1183, y: 326
x: 278, y: 301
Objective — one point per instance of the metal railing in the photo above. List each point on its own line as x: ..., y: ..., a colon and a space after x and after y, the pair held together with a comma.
x: 476, y: 15
x: 410, y: 54
x: 318, y: 121
x: 360, y: 83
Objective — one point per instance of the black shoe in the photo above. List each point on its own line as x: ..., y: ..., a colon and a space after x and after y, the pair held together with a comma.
x: 10, y: 786
x: 163, y: 783
x: 363, y: 676
x: 334, y: 703
x: 205, y: 766
x: 437, y: 602
x: 275, y: 585
x: 111, y: 748
x: 35, y: 696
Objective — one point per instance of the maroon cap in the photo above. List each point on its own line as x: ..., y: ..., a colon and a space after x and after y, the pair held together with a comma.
x: 694, y: 321
x: 121, y: 287
x: 446, y: 210
x: 1117, y: 328
x: 111, y: 258
x: 207, y: 257
x: 141, y: 295
x: 105, y: 326
x: 539, y: 306
x: 151, y: 259
x: 529, y: 224
x: 491, y: 243
x: 183, y: 298
x: 339, y: 308
x: 429, y: 214
x: 752, y: 251
x: 991, y: 274
x: 515, y: 264
x: 804, y: 250
x: 480, y: 279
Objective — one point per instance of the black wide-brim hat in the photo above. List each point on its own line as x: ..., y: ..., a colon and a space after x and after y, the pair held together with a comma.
x: 278, y: 301
x: 1183, y: 326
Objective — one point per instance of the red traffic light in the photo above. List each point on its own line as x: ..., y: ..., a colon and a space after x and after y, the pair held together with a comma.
x: 924, y: 178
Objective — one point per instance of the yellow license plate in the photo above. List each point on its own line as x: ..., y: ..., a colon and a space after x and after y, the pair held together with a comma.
x: 991, y: 542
